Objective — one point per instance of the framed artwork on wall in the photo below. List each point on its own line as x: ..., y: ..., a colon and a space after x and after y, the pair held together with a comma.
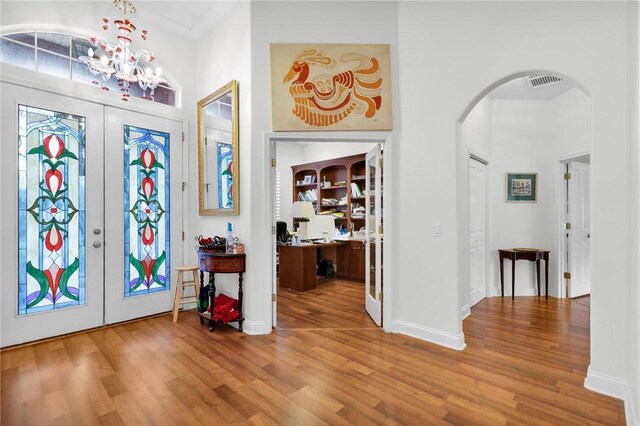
x: 320, y: 87
x: 522, y: 187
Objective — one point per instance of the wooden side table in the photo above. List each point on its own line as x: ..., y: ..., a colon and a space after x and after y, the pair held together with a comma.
x: 530, y: 254
x: 212, y: 261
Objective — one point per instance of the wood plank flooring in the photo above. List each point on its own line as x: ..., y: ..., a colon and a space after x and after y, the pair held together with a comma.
x: 525, y: 363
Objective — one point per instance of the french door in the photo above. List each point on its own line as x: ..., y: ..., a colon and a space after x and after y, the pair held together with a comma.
x: 374, y: 232
x: 73, y: 220
x: 143, y: 211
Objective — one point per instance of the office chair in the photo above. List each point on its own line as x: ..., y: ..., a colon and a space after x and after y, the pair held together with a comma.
x: 282, y: 235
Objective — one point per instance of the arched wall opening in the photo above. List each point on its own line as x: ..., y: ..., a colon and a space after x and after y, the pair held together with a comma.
x: 514, y: 127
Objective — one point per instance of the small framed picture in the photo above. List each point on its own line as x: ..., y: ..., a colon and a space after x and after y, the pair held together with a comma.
x: 308, y: 179
x: 522, y: 187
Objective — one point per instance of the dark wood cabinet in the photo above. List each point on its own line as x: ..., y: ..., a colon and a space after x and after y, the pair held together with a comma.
x: 356, y: 260
x: 340, y: 179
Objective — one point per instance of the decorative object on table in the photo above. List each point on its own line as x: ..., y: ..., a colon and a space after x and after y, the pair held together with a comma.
x: 217, y: 244
x: 229, y: 238
x: 119, y: 59
x: 318, y: 87
x: 522, y: 187
x: 218, y: 155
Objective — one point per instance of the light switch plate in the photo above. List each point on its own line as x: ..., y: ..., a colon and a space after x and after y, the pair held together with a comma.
x: 437, y: 230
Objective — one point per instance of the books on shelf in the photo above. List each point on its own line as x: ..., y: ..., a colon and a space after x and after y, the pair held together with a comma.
x: 340, y: 183
x: 355, y: 190
x: 308, y: 195
x: 357, y: 211
x: 357, y: 177
x: 343, y: 201
x: 329, y: 202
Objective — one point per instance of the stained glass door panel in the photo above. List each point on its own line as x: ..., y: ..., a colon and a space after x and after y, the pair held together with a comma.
x: 143, y: 220
x: 146, y: 211
x: 51, y: 272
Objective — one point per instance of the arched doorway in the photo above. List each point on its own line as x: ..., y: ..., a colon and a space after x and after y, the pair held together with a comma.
x: 534, y: 124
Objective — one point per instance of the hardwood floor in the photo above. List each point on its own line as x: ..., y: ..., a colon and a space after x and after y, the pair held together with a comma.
x: 525, y: 364
x: 333, y: 304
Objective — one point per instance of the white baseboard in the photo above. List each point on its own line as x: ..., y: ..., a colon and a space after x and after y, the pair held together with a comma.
x: 442, y: 338
x: 615, y: 387
x: 255, y: 327
x: 466, y: 311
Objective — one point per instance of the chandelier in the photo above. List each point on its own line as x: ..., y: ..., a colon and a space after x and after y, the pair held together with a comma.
x: 119, y: 60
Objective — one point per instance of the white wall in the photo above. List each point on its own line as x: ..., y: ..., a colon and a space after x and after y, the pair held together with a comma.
x: 319, y: 151
x: 632, y: 403
x: 288, y: 154
x: 450, y: 53
x: 476, y: 129
x: 224, y: 55
x: 521, y: 143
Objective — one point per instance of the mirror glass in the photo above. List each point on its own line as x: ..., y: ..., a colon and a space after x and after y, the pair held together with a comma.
x: 218, y: 159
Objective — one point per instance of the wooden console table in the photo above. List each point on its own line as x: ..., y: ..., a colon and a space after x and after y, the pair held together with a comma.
x: 212, y: 261
x: 530, y: 254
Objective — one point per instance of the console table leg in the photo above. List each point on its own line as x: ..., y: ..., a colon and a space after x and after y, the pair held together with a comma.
x: 212, y: 297
x: 240, y: 301
x: 502, y: 276
x: 538, y: 275
x: 513, y: 278
x: 546, y: 280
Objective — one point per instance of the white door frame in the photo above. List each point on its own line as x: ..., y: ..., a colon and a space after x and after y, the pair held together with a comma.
x: 384, y: 138
x: 561, y: 242
x: 473, y: 155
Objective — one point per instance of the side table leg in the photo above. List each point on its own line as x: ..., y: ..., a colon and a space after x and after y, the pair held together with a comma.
x: 201, y: 310
x: 513, y: 278
x: 538, y: 274
x: 502, y: 276
x: 240, y: 301
x: 546, y: 279
x: 212, y: 297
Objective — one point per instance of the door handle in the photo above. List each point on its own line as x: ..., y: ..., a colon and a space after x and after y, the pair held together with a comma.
x: 97, y: 244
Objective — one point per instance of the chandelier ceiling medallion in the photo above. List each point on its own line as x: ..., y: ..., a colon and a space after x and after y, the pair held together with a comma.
x: 120, y: 60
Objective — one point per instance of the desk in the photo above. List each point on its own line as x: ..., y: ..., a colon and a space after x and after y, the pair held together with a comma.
x: 298, y: 263
x: 212, y: 261
x: 531, y: 255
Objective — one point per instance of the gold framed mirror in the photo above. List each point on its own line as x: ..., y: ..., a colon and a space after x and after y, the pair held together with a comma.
x: 218, y: 155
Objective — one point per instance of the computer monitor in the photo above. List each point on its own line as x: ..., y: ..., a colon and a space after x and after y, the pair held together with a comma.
x: 317, y: 228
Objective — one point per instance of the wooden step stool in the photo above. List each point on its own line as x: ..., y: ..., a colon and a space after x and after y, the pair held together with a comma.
x: 180, y: 298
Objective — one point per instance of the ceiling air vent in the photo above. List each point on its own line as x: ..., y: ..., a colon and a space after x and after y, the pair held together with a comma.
x: 543, y: 80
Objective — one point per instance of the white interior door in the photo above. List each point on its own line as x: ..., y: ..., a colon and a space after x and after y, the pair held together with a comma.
x: 374, y: 235
x: 52, y: 201
x: 143, y: 221
x: 578, y: 245
x: 477, y: 231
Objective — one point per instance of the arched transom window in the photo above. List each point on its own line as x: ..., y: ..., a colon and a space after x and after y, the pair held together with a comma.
x: 58, y: 54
